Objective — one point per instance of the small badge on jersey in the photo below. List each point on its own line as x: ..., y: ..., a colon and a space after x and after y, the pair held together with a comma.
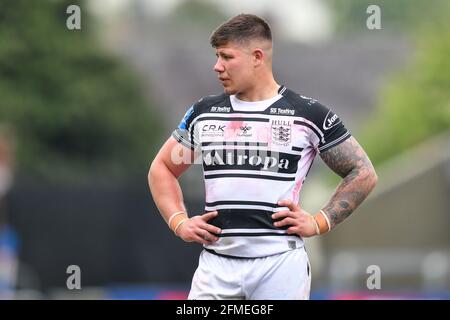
x: 330, y: 121
x: 281, y: 132
x: 245, y: 131
x: 292, y: 244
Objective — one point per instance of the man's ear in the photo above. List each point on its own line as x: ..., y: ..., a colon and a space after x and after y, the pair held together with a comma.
x: 258, y: 57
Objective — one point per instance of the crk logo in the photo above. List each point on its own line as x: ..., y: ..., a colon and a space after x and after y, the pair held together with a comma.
x: 330, y: 120
x: 213, y: 127
x: 213, y: 130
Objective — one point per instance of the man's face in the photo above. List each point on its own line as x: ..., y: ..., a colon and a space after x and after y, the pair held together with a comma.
x: 234, y: 67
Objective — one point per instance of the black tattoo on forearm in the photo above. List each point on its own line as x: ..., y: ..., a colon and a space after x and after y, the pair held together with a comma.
x: 348, y: 160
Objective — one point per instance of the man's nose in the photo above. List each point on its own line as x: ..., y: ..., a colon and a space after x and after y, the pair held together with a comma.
x: 218, y: 67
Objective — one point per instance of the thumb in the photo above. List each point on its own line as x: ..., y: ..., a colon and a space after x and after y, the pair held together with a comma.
x: 288, y: 203
x: 209, y: 215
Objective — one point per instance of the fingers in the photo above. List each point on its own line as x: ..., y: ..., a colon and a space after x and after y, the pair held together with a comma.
x: 304, y: 229
x: 287, y: 218
x: 201, y: 236
x: 282, y: 214
x: 288, y: 203
x: 196, y: 229
x: 199, y: 231
x: 208, y: 236
x: 211, y: 228
x: 295, y: 220
x: 204, y: 237
x: 201, y: 240
x: 209, y: 233
x: 285, y: 222
x: 209, y: 215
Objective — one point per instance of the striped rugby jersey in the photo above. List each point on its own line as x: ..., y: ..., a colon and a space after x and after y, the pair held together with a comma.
x: 253, y: 155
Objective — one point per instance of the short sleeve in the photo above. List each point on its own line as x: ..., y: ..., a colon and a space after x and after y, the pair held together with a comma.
x: 331, y: 128
x: 184, y: 133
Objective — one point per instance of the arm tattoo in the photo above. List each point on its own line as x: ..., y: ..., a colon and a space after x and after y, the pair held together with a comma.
x: 348, y: 160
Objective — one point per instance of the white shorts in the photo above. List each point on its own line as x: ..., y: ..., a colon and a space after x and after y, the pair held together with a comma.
x: 284, y: 276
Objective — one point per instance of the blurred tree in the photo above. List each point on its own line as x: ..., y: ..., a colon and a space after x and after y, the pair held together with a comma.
x: 415, y: 105
x: 75, y: 109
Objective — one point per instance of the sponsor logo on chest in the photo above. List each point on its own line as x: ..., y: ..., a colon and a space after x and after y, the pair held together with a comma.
x: 257, y: 158
x: 220, y: 109
x: 212, y: 130
x: 245, y: 131
x: 282, y: 111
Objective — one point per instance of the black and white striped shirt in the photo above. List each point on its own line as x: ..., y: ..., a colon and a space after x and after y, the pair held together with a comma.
x: 253, y: 155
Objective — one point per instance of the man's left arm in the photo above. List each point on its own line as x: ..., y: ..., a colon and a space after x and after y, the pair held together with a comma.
x: 349, y: 161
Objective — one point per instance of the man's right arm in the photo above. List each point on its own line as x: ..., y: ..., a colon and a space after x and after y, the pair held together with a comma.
x: 163, y: 179
x: 163, y: 175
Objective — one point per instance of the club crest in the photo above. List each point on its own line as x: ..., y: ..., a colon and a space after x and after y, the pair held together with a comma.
x: 281, y: 132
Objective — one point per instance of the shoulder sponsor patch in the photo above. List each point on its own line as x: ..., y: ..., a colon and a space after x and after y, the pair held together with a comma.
x: 331, y: 120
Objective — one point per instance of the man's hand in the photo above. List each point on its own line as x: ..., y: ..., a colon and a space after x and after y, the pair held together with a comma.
x: 301, y: 222
x: 196, y: 229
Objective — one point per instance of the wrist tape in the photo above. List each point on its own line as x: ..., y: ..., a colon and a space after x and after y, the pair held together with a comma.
x: 176, y: 220
x: 323, y: 223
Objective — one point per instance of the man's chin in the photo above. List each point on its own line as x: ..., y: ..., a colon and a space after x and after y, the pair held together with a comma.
x: 229, y: 90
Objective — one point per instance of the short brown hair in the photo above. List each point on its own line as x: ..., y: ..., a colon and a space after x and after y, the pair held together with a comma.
x: 241, y: 28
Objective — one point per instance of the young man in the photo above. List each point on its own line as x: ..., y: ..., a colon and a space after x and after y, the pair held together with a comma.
x: 256, y: 142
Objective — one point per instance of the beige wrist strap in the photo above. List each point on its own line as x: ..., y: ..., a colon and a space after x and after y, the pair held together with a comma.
x: 322, y: 221
x: 179, y: 225
x: 175, y: 219
x: 174, y: 215
x: 316, y: 226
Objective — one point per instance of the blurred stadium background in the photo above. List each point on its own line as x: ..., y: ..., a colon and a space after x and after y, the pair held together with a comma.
x: 82, y: 113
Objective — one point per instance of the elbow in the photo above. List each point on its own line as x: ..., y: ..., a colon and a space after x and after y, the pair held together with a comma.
x: 368, y: 178
x: 373, y: 177
x: 152, y: 172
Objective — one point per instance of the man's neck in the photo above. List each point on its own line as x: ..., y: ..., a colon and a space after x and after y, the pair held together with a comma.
x: 262, y: 90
